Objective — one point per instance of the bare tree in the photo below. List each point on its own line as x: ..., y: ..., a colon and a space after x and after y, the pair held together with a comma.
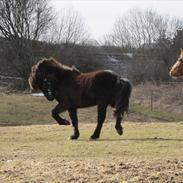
x: 22, y: 23
x: 70, y: 28
x: 107, y: 40
x: 142, y: 28
x: 150, y: 36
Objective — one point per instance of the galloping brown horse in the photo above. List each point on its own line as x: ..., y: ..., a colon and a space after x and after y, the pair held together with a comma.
x: 73, y: 89
x: 177, y: 68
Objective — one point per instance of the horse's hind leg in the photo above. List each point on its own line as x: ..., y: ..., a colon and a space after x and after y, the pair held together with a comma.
x: 119, y: 128
x: 74, y: 119
x: 101, y: 117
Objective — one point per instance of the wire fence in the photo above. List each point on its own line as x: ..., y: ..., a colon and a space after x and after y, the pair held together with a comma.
x: 12, y: 82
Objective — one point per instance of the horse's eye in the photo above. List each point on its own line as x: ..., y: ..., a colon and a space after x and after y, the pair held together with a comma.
x: 181, y: 59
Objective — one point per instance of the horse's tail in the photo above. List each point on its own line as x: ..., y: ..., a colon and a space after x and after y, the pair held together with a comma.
x: 123, y: 92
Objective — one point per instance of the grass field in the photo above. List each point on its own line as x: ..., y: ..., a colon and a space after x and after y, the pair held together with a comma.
x: 147, y: 152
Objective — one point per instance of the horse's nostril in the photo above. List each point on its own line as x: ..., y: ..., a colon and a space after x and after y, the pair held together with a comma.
x: 49, y: 92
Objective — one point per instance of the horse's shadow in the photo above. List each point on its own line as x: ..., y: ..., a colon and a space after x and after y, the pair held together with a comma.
x: 154, y: 139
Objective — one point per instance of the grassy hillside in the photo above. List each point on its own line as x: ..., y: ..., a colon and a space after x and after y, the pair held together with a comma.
x: 24, y: 109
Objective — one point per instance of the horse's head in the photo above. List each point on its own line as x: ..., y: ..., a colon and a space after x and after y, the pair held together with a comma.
x: 43, y: 77
x: 177, y: 68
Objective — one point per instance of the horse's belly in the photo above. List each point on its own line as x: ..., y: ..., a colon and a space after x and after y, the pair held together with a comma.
x: 87, y: 101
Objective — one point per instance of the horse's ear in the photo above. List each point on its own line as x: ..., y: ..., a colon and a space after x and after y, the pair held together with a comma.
x: 181, y: 50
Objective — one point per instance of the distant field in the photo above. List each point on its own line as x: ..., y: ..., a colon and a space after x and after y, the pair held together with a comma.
x: 19, y: 109
x: 24, y: 109
x: 147, y: 152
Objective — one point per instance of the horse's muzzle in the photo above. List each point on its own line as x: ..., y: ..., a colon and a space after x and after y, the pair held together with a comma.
x: 50, y: 97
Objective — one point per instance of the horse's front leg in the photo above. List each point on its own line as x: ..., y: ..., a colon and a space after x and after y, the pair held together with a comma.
x: 74, y: 119
x: 55, y: 114
x: 101, y: 118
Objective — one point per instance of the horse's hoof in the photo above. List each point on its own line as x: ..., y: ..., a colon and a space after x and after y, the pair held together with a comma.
x: 119, y: 130
x: 74, y: 137
x: 94, y: 137
x: 66, y: 122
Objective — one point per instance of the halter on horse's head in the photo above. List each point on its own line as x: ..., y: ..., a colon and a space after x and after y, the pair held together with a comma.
x: 177, y: 68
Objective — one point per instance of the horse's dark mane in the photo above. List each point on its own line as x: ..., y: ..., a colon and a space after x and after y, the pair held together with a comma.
x: 53, y: 63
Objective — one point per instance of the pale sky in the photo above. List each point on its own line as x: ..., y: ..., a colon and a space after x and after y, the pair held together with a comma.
x: 99, y: 16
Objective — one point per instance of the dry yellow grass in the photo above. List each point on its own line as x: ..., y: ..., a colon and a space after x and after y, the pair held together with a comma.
x: 19, y: 109
x: 147, y: 152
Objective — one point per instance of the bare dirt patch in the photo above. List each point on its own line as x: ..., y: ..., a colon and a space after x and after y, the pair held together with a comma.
x: 91, y: 170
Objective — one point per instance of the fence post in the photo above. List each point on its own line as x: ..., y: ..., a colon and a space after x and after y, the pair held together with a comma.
x: 151, y: 101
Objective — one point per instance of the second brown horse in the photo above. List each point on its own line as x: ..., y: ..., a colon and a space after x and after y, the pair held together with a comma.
x: 73, y: 90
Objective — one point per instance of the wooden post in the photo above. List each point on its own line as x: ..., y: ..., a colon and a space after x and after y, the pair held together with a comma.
x: 151, y: 101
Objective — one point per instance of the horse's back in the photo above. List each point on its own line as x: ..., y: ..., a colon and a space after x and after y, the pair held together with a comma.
x: 102, y: 83
x: 105, y: 80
